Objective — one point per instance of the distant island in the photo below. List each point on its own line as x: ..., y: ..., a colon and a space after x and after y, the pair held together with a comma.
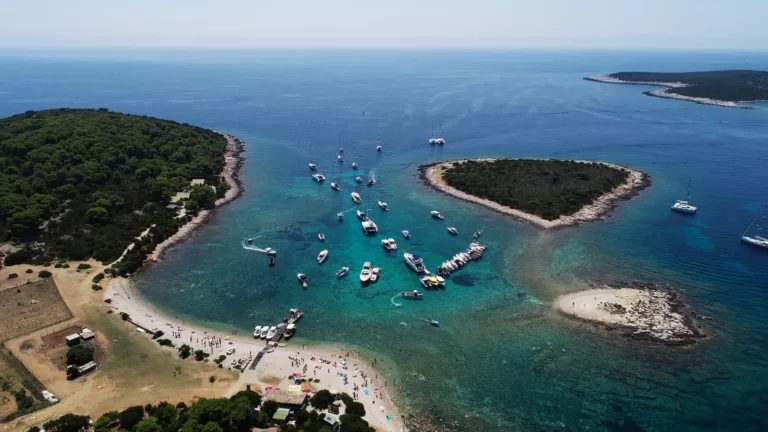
x: 548, y: 193
x: 83, y: 183
x: 722, y: 88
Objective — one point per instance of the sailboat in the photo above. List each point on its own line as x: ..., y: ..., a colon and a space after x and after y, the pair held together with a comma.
x: 684, y: 206
x: 477, y: 234
x: 755, y: 240
x: 312, y: 166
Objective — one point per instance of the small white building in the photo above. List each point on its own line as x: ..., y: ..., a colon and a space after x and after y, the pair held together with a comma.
x: 87, y: 334
x: 73, y: 339
x: 91, y: 365
x: 197, y: 182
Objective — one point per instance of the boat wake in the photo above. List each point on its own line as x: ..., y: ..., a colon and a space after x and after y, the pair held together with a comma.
x: 392, y: 300
x: 246, y: 246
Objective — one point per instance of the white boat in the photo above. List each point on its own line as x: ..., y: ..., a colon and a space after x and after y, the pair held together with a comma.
x: 477, y: 234
x: 436, y: 214
x: 321, y: 236
x: 414, y: 295
x: 375, y: 274
x: 406, y: 234
x: 322, y: 256
x: 250, y: 239
x: 755, y: 240
x: 264, y: 331
x: 340, y: 158
x: 257, y: 332
x: 415, y: 262
x: 365, y: 274
x: 312, y: 166
x: 453, y: 231
x: 432, y: 141
x: 378, y: 148
x: 342, y: 272
x: 341, y: 149
x: 361, y: 215
x: 302, y: 279
x: 335, y: 186
x: 290, y: 329
x: 355, y: 165
x: 684, y: 206
x: 269, y: 251
x: 295, y: 314
x: 440, y: 141
x: 369, y: 227
x: 371, y: 181
x: 272, y: 332
x: 359, y: 179
x: 340, y: 215
x: 383, y: 205
x: 356, y: 197
x: 432, y: 282
x: 319, y: 177
x: 389, y: 244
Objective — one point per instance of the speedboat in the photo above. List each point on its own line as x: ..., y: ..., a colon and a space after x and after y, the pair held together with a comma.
x: 371, y: 182
x: 375, y: 274
x: 355, y: 165
x: 415, y: 262
x: 318, y: 177
x: 272, y: 332
x: 433, y: 141
x: 270, y: 251
x: 341, y: 149
x: 365, y: 274
x: 453, y: 231
x: 369, y: 227
x: 361, y: 215
x: 440, y: 141
x: 250, y: 239
x: 383, y: 205
x: 290, y: 329
x: 389, y: 244
x: 322, y: 256
x: 312, y: 166
x: 343, y: 272
x: 257, y: 332
x: 476, y: 235
x: 340, y: 158
x: 264, y: 331
x: 321, y: 236
x: 359, y: 179
x: 335, y: 186
x: 433, y: 322
x: 378, y: 148
x: 436, y: 214
x: 340, y: 215
x: 406, y: 234
x: 356, y: 197
x: 302, y: 279
x: 414, y: 295
x: 295, y: 314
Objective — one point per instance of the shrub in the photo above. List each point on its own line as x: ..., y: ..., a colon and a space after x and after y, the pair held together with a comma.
x: 98, y: 278
x: 322, y: 399
x: 33, y: 429
x: 253, y: 397
x: 211, y: 379
x: 23, y: 400
x: 58, y: 265
x: 157, y: 334
x: 165, y: 342
x: 65, y: 265
x: 108, y: 301
x: 220, y: 359
x: 29, y: 271
x: 83, y: 266
x: 201, y: 355
x: 68, y: 423
x: 96, y: 287
x: 185, y: 351
x: 44, y: 274
x: 13, y: 276
x: 125, y: 316
x: 269, y: 407
x: 130, y: 417
x: 79, y: 355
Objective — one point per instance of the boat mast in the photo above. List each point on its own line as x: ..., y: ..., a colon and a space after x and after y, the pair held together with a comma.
x: 688, y: 198
x: 310, y: 152
x: 753, y: 222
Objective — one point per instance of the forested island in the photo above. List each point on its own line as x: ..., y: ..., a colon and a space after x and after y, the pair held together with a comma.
x: 549, y: 193
x: 83, y: 183
x: 723, y: 88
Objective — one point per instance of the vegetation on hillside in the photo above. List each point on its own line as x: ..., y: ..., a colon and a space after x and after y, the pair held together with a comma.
x: 85, y: 183
x: 724, y: 85
x: 545, y: 188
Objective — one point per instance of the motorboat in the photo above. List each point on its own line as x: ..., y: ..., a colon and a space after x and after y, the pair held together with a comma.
x: 272, y: 332
x: 250, y: 239
x: 389, y: 244
x: 453, y: 231
x: 383, y: 205
x: 406, y: 234
x: 756, y: 241
x: 359, y: 179
x: 440, y: 141
x: 295, y: 314
x: 433, y: 322
x: 415, y: 262
x: 321, y: 237
x: 257, y: 332
x: 343, y: 272
x: 369, y: 227
x: 264, y: 331
x: 413, y: 295
x: 312, y: 166
x: 378, y: 148
x: 335, y: 186
x: 361, y: 215
x: 437, y: 215
x: 318, y: 177
x: 365, y: 274
x: 375, y: 274
x: 340, y: 158
x: 371, y: 182
x: 340, y: 216
x: 684, y: 206
x: 356, y: 197
x: 322, y: 256
x: 341, y: 149
x: 302, y: 279
x: 432, y: 282
x: 290, y: 329
x: 269, y: 251
x: 355, y: 165
x: 433, y: 141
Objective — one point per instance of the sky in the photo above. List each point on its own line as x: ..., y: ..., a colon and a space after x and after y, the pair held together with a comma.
x: 464, y: 24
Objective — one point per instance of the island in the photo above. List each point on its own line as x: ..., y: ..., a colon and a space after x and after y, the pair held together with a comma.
x: 91, y: 183
x: 548, y: 193
x: 725, y: 88
x: 640, y: 310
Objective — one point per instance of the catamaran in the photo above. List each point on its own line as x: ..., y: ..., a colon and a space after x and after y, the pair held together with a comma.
x: 755, y: 240
x: 430, y: 282
x: 323, y: 256
x: 684, y: 206
x: 356, y: 197
x: 369, y: 227
x: 389, y: 244
x: 319, y: 177
x: 415, y: 262
x: 365, y: 274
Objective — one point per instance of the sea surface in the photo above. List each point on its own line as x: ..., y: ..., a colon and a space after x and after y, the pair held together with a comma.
x: 502, y: 359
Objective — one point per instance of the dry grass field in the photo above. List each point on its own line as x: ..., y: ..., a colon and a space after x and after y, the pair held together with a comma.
x: 30, y: 307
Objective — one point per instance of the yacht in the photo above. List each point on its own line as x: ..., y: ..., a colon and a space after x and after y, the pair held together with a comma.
x: 383, y: 205
x: 415, y: 262
x: 414, y: 295
x: 290, y: 329
x: 343, y: 272
x: 684, y: 206
x: 356, y: 197
x: 264, y: 331
x: 312, y: 166
x: 755, y: 240
x: 430, y: 282
x: 340, y: 215
x: 355, y: 165
x: 335, y: 186
x: 257, y: 332
x: 453, y: 231
x: 359, y: 179
x: 321, y: 236
x: 369, y: 227
x: 365, y: 274
x: 371, y: 181
x: 272, y: 332
x: 378, y: 148
x: 323, y: 256
x: 406, y: 234
x: 389, y: 244
x: 302, y: 279
x: 340, y: 158
x: 361, y: 215
x: 375, y: 274
x: 319, y: 177
x: 436, y: 214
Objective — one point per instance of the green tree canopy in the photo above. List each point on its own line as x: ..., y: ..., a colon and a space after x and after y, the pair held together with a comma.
x: 67, y: 423
x: 79, y: 355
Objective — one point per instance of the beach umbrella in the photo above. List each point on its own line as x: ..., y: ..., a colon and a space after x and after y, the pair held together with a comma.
x: 268, y: 388
x: 306, y: 390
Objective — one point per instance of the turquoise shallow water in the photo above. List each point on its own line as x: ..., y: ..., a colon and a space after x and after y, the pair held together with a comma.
x: 502, y: 359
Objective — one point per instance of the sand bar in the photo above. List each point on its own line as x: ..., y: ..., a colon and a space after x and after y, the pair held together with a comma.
x: 432, y: 174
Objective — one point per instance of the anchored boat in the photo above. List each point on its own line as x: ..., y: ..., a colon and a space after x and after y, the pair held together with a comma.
x: 437, y: 215
x: 389, y: 244
x: 356, y: 197
x: 319, y: 177
x: 415, y: 262
x: 413, y: 295
x: 365, y: 273
x: 406, y: 234
x: 322, y: 256
x: 684, y: 206
x: 453, y: 231
x: 755, y: 240
x: 302, y: 279
x: 343, y: 272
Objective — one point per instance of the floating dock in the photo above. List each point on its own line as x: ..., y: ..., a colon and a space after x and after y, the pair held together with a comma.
x: 472, y: 253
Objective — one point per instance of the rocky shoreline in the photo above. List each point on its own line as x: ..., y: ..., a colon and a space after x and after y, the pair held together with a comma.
x: 638, y: 310
x: 233, y: 163
x: 432, y: 175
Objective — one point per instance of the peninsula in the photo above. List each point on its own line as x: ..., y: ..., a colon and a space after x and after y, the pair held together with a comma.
x: 545, y: 192
x: 727, y: 88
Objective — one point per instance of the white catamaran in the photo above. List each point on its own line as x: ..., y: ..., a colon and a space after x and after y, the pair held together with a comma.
x: 684, y: 206
x: 756, y: 239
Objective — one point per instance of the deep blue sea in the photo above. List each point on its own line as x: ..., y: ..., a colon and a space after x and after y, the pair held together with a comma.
x: 502, y: 359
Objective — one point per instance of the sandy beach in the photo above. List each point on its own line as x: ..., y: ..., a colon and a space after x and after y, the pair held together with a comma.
x: 646, y: 312
x: 432, y: 174
x: 338, y: 369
